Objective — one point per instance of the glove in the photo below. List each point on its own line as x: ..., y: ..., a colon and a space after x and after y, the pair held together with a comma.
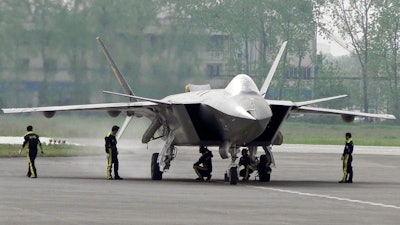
x: 20, y: 150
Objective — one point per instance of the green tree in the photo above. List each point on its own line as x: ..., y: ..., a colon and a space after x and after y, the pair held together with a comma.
x: 355, y: 20
x: 122, y: 26
x: 327, y: 84
x: 297, y: 26
x: 74, y: 39
x: 387, y: 42
x: 14, y: 48
x: 44, y: 40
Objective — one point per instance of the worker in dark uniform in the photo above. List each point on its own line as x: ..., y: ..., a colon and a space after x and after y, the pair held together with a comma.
x: 347, y: 160
x: 33, y: 141
x: 112, y: 153
x: 245, y: 161
x: 203, y: 166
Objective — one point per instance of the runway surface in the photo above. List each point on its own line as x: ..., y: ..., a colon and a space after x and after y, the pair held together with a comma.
x: 304, y: 190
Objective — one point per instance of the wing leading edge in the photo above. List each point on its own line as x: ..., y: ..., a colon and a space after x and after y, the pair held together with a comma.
x: 324, y: 111
x: 303, y: 108
x: 141, y: 108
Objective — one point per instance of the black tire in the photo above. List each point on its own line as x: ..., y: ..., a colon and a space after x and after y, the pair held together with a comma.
x: 264, y: 171
x: 233, y: 175
x: 156, y: 174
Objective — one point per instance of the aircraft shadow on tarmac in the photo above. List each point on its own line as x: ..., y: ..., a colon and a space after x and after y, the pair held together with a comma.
x: 271, y: 184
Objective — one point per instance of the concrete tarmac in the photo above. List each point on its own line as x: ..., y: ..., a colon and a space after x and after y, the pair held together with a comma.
x: 304, y: 189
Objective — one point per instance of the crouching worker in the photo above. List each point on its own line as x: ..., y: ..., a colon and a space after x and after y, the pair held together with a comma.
x: 203, y: 166
x: 245, y: 161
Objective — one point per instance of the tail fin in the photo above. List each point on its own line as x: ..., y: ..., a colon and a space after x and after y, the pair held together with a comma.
x: 122, y: 82
x: 267, y: 82
x: 117, y: 73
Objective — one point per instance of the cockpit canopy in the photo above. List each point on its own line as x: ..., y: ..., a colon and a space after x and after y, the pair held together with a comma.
x: 242, y: 84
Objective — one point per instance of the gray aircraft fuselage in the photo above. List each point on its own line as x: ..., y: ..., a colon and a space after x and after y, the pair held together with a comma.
x: 237, y: 114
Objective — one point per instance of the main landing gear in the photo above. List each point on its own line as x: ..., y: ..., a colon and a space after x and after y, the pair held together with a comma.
x: 262, y: 165
x: 161, y: 162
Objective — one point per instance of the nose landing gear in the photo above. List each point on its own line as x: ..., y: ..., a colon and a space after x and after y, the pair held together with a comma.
x: 231, y: 174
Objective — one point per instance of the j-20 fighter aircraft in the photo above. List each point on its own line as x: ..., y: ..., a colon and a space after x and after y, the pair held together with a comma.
x: 231, y: 118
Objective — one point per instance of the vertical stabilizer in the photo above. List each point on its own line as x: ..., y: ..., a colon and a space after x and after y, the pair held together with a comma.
x: 117, y: 73
x: 122, y: 82
x: 267, y: 82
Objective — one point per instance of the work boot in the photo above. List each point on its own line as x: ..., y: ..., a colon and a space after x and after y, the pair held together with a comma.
x: 208, y: 178
x: 200, y: 178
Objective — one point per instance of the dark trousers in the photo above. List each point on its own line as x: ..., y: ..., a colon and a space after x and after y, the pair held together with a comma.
x: 347, y: 168
x: 112, y: 159
x: 31, y: 164
x: 202, y: 171
x: 349, y: 171
x: 245, y: 173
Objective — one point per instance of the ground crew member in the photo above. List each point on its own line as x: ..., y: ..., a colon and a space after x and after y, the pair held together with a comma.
x: 245, y: 161
x: 347, y: 160
x: 33, y: 141
x: 112, y: 153
x: 203, y: 167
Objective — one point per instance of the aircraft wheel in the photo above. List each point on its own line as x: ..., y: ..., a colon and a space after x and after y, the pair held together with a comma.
x: 264, y: 171
x: 156, y: 174
x: 233, y: 178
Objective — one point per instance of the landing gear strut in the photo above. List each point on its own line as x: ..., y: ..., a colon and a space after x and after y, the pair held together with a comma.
x: 161, y: 162
x: 232, y: 173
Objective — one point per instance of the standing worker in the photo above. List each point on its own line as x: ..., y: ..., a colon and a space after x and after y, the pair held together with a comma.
x: 33, y: 141
x: 347, y: 159
x: 112, y: 153
x: 205, y: 169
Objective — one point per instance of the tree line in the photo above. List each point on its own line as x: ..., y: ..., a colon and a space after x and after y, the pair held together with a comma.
x: 156, y: 44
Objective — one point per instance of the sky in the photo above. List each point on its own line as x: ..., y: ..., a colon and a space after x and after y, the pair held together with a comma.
x: 330, y: 46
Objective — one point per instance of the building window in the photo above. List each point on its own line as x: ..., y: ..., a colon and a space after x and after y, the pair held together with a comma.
x: 214, y: 70
x: 216, y: 43
x: 305, y: 73
x: 23, y: 64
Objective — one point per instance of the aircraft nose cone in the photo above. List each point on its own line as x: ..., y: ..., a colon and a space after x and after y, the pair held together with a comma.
x: 242, y: 113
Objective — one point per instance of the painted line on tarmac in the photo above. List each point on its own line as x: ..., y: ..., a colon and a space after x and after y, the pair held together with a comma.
x: 331, y: 197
